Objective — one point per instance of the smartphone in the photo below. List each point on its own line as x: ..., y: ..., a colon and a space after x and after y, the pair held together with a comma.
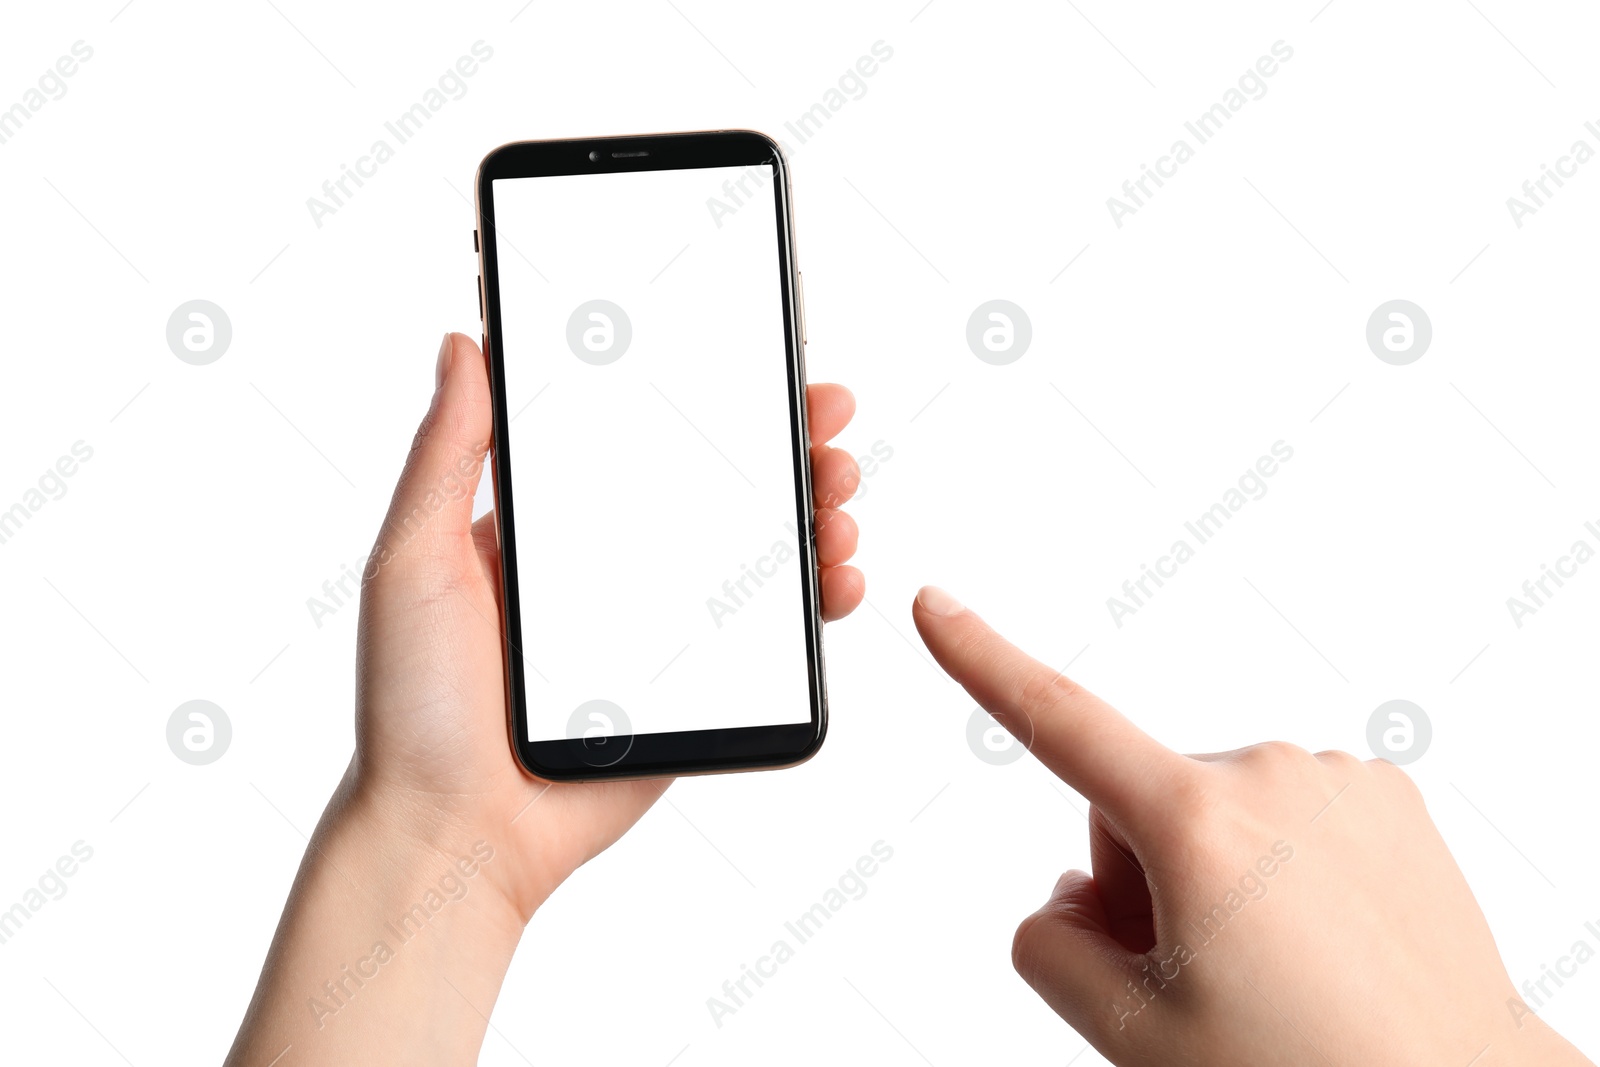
x: 643, y: 320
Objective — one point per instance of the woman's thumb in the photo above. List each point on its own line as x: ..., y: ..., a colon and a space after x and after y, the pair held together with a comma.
x: 431, y: 512
x: 1067, y: 954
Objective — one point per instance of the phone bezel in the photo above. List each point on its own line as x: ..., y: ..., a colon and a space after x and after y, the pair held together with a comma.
x: 680, y: 752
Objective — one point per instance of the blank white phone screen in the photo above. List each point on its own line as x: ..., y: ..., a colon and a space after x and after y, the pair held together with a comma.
x: 647, y: 387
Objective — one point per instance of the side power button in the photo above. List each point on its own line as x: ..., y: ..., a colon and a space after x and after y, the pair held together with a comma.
x: 800, y: 287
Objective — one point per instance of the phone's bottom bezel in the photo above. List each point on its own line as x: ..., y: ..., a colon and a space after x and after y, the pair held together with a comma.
x: 667, y: 755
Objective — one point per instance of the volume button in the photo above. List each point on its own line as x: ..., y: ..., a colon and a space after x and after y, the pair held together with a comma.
x: 800, y: 287
x: 480, y: 295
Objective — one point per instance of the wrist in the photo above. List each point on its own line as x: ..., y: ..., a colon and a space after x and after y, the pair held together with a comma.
x: 431, y: 849
x: 393, y: 943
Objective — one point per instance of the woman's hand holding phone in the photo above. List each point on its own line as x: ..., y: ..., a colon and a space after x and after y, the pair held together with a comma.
x: 433, y: 802
x: 1260, y: 906
x: 431, y: 712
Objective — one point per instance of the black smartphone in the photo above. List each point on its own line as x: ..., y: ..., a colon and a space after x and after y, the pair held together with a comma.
x: 644, y: 326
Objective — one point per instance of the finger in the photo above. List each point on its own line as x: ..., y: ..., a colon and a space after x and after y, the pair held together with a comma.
x: 1120, y: 881
x: 431, y: 511
x: 828, y: 410
x: 834, y: 476
x: 843, y: 589
x: 486, y: 537
x: 1078, y: 736
x: 1066, y: 953
x: 837, y: 534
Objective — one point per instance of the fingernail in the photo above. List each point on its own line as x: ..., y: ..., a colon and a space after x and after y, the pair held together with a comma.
x: 936, y: 601
x: 444, y: 360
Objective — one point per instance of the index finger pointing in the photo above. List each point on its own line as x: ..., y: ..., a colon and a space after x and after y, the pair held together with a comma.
x: 1080, y: 737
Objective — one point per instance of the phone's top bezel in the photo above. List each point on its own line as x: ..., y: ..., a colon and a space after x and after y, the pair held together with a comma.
x: 684, y: 752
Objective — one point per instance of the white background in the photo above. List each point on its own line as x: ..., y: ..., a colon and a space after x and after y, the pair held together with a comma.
x: 1226, y: 315
x: 644, y: 484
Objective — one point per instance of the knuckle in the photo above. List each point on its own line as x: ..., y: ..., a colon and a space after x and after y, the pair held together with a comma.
x: 1339, y: 760
x: 1395, y: 777
x: 427, y: 428
x: 1276, y: 756
x: 1199, y: 809
x: 1282, y: 751
x: 1043, y: 691
x: 1025, y: 948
